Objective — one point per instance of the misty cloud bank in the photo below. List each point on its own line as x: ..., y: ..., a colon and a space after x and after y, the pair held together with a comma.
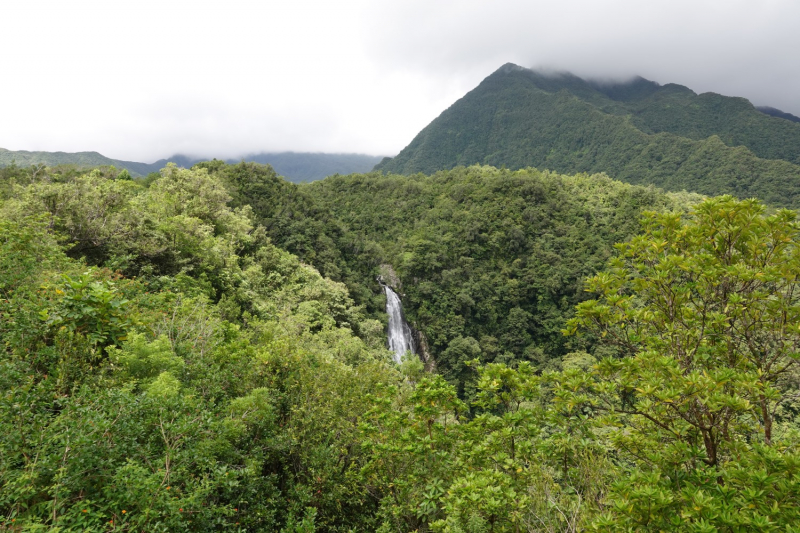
x: 736, y: 48
x: 354, y: 76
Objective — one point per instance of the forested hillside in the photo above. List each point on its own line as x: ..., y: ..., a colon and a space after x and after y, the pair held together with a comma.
x: 296, y: 221
x: 638, y: 132
x: 172, y: 361
x: 771, y: 111
x: 301, y: 167
x: 295, y: 166
x: 84, y: 160
x: 491, y: 262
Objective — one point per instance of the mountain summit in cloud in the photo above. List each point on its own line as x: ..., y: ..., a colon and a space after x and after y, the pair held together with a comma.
x: 635, y: 130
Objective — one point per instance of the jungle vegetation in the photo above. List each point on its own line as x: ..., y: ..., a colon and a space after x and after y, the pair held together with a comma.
x: 172, y: 360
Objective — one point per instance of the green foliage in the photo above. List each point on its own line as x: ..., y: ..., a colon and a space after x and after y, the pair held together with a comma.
x: 757, y: 492
x: 442, y: 471
x: 165, y: 386
x: 81, y: 160
x: 678, y: 110
x: 702, y: 315
x: 639, y: 133
x: 91, y: 307
x: 229, y: 385
x: 297, y: 167
x: 296, y: 221
x: 490, y: 262
x: 706, y: 313
x: 675, y: 431
x: 85, y: 210
x: 143, y: 359
x: 25, y: 249
x: 220, y: 389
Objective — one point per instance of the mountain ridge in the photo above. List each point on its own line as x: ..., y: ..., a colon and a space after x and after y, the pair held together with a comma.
x: 773, y: 112
x: 665, y: 135
x: 295, y: 166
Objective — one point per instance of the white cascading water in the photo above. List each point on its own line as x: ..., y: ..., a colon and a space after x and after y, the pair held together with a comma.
x: 400, y: 338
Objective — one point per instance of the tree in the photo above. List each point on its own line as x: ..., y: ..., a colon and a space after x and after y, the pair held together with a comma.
x: 704, y: 315
x: 708, y: 311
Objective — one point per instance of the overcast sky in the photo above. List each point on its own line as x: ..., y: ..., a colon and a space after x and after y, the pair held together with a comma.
x: 144, y: 80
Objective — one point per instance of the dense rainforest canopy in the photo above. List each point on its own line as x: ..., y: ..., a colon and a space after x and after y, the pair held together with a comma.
x: 491, y: 262
x: 204, y: 350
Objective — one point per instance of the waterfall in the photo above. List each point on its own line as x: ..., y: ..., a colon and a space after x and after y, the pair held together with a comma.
x: 400, y: 338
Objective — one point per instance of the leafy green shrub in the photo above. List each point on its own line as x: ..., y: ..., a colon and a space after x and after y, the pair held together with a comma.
x: 91, y: 307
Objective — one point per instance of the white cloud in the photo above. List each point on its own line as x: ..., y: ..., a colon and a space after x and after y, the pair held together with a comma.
x: 735, y: 47
x: 144, y: 80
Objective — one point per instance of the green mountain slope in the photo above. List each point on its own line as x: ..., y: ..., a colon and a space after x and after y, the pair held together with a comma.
x: 519, y: 118
x: 82, y: 159
x: 302, y: 167
x: 676, y: 109
x: 490, y: 261
x: 295, y: 166
x: 771, y: 111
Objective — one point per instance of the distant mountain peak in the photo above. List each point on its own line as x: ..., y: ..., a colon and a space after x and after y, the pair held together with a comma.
x: 294, y: 166
x: 590, y: 89
x: 510, y: 67
x: 636, y: 130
